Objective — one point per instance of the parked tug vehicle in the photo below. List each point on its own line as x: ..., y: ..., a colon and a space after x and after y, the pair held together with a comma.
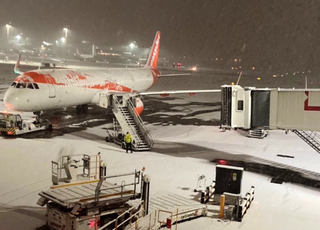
x: 12, y: 124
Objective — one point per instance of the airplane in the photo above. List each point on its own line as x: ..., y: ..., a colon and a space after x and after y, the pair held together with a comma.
x: 47, y: 89
x: 85, y: 57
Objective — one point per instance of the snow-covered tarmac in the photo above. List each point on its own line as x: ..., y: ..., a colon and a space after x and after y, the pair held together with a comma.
x: 181, y: 153
x: 187, y: 153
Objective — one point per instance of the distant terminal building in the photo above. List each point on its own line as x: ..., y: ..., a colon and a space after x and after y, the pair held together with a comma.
x: 121, y: 54
x: 116, y: 54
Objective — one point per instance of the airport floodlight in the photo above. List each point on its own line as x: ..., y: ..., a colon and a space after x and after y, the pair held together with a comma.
x: 131, y: 45
x: 66, y: 41
x: 66, y: 31
x: 8, y: 26
x: 18, y: 37
x: 63, y: 39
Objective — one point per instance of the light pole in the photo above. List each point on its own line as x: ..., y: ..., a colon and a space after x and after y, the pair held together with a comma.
x: 66, y: 36
x: 8, y: 30
x: 132, y: 45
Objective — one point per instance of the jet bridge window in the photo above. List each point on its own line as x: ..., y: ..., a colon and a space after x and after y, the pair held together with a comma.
x: 13, y: 85
x: 240, y: 105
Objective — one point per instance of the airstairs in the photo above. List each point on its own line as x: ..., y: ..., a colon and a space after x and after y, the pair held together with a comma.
x: 129, y: 121
x: 312, y: 138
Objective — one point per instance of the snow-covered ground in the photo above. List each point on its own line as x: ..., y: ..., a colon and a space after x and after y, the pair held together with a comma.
x: 186, y: 153
x: 181, y: 153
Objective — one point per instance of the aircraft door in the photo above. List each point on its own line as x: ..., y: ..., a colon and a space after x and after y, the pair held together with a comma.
x: 51, y: 85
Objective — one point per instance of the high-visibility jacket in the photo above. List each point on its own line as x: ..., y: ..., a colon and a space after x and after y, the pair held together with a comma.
x: 127, y: 138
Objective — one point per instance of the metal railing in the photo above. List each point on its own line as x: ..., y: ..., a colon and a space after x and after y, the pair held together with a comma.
x: 132, y: 215
x: 312, y: 138
x: 138, y: 122
x: 118, y: 106
x: 90, y: 167
x: 143, y: 129
x: 146, y: 222
x: 136, y: 180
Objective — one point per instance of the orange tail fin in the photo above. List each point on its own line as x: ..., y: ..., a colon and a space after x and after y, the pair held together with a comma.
x: 154, y: 53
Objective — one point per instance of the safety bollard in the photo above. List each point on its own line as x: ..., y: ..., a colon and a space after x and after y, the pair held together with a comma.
x: 222, y: 202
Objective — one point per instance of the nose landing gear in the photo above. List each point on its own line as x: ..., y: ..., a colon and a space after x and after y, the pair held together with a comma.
x: 39, y: 122
x: 38, y: 114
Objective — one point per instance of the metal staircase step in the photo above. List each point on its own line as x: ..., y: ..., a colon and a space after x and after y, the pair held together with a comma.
x: 311, y: 138
x: 127, y: 120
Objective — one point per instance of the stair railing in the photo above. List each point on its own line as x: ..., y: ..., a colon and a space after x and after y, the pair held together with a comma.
x: 143, y: 129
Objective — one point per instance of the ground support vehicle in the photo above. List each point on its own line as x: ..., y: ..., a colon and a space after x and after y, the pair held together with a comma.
x: 12, y: 124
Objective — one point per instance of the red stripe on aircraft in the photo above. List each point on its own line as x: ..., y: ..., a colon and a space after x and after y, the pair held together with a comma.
x: 72, y: 78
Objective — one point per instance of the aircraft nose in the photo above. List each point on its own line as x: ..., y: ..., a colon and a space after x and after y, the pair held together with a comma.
x: 10, y: 100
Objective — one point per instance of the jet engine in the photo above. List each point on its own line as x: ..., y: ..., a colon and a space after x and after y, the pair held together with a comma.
x: 138, y: 104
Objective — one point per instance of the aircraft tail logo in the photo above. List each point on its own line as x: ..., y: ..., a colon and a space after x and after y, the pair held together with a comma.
x: 154, y: 52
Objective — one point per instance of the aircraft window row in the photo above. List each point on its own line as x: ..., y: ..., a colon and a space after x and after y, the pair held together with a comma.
x: 24, y: 85
x: 79, y: 85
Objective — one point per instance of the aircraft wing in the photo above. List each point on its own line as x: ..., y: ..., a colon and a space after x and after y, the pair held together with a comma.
x: 191, y: 92
x: 173, y: 75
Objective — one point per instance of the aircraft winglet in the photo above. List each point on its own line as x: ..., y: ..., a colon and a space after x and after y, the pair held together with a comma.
x: 16, y: 68
x: 154, y: 52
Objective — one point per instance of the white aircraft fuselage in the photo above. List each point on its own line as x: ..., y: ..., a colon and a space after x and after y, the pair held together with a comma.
x: 41, y: 90
x: 46, y: 89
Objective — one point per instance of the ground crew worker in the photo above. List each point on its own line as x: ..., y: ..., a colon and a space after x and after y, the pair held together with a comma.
x: 128, y: 141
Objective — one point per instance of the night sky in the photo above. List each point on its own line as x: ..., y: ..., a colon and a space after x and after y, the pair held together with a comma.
x: 270, y: 34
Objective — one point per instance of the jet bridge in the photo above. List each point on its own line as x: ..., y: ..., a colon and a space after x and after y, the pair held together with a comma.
x: 256, y: 110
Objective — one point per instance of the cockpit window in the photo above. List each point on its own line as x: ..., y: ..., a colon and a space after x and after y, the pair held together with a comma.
x: 13, y: 85
x: 35, y: 85
x: 30, y: 86
x: 21, y: 85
